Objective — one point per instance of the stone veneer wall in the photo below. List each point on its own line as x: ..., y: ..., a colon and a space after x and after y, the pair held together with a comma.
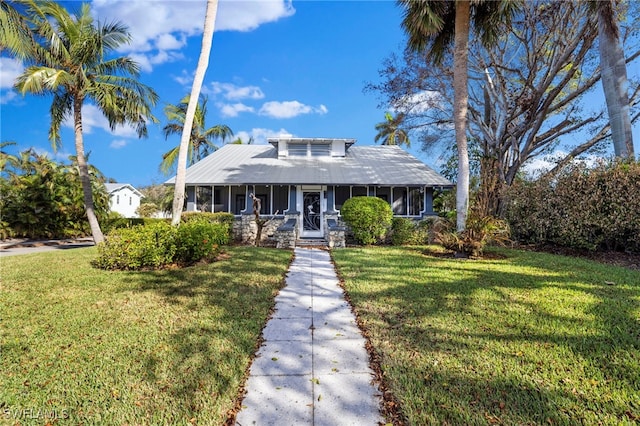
x: 245, y: 229
x: 335, y: 235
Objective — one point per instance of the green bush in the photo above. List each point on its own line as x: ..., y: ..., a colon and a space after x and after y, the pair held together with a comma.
x: 139, y: 247
x: 368, y: 217
x: 406, y: 231
x: 593, y: 209
x: 402, y: 231
x: 200, y: 239
x: 158, y: 244
x: 227, y: 219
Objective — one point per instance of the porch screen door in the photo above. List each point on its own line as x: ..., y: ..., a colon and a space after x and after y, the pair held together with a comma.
x: 311, y: 214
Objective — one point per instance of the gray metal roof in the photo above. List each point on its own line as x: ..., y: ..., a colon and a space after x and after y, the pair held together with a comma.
x: 361, y: 165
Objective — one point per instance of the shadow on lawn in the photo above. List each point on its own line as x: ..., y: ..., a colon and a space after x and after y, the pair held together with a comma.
x: 215, y: 315
x: 512, y: 360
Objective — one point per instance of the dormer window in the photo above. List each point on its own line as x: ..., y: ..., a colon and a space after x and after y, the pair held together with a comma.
x: 307, y: 148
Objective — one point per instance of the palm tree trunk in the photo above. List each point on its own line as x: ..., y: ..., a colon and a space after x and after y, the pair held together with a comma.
x: 614, y: 80
x: 83, y: 171
x: 203, y: 62
x: 460, y: 105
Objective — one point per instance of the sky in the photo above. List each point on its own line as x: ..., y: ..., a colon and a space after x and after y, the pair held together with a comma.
x: 276, y: 67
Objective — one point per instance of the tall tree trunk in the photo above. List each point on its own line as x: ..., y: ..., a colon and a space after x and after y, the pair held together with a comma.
x: 83, y: 171
x: 203, y: 62
x: 460, y: 105
x: 614, y: 80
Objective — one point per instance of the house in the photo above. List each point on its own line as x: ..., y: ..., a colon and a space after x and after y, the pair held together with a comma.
x: 303, y: 183
x: 124, y: 199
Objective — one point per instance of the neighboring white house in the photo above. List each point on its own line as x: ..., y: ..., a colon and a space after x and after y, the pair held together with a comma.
x: 123, y: 199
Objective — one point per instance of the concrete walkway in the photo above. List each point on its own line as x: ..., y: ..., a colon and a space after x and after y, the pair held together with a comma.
x: 313, y: 368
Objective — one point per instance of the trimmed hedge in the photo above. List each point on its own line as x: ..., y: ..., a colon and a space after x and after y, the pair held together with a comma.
x: 159, y: 244
x: 368, y: 217
x: 594, y: 209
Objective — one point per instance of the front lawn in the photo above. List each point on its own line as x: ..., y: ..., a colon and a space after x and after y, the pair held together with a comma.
x: 99, y: 347
x: 525, y: 338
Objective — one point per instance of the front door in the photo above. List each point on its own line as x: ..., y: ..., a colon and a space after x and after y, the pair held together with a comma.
x: 312, y: 214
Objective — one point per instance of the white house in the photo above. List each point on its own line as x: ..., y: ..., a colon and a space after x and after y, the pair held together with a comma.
x: 124, y: 199
x: 305, y: 181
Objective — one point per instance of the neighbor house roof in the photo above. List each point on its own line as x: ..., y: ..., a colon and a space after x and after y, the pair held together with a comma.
x: 361, y: 165
x: 113, y: 187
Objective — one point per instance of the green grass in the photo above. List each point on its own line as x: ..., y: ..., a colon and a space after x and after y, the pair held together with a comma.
x: 99, y: 347
x: 528, y: 338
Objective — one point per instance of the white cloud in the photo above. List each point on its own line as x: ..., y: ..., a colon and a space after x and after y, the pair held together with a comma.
x: 236, y: 15
x: 93, y: 118
x: 289, y: 109
x: 7, y: 96
x: 118, y: 143
x: 10, y: 69
x: 232, y: 92
x: 165, y: 25
x: 232, y: 110
x: 418, y: 103
x: 186, y: 78
x: 260, y: 135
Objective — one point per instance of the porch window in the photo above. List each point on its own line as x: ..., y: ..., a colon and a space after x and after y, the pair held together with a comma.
x: 280, y: 198
x: 416, y: 201
x: 342, y: 194
x: 204, y: 198
x: 359, y: 191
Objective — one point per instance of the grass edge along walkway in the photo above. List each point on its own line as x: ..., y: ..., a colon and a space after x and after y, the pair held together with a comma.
x: 88, y: 346
x: 521, y: 338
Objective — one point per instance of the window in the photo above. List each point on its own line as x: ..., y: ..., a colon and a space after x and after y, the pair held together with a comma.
x: 416, y: 201
x: 117, y: 199
x: 342, y: 194
x: 130, y: 200
x: 297, y: 149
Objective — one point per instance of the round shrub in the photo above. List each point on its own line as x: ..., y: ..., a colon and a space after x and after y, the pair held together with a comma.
x: 368, y: 217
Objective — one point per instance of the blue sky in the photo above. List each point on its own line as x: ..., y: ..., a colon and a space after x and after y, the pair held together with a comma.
x: 276, y: 67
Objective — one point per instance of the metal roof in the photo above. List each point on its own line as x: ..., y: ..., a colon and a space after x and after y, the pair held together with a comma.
x: 361, y: 165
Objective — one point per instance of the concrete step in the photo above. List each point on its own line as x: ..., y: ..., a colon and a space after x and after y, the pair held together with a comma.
x: 311, y: 242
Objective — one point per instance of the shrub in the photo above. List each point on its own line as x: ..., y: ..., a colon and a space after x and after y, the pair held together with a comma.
x: 479, y: 231
x: 138, y: 247
x: 402, y: 230
x: 368, y: 217
x: 581, y: 208
x: 200, y: 239
x: 227, y: 219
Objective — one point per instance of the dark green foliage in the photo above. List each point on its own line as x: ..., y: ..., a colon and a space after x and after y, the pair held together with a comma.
x: 368, y: 217
x: 406, y: 231
x: 401, y: 231
x: 200, y: 239
x: 157, y: 244
x: 582, y: 208
x: 41, y: 198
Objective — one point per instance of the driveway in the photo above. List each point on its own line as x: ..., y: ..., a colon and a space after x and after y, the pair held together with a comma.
x: 18, y: 246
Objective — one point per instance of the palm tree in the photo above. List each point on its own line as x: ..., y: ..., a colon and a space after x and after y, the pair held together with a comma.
x: 71, y: 65
x: 614, y: 77
x: 201, y: 141
x: 432, y: 26
x: 389, y: 131
x: 15, y: 34
x: 203, y: 62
